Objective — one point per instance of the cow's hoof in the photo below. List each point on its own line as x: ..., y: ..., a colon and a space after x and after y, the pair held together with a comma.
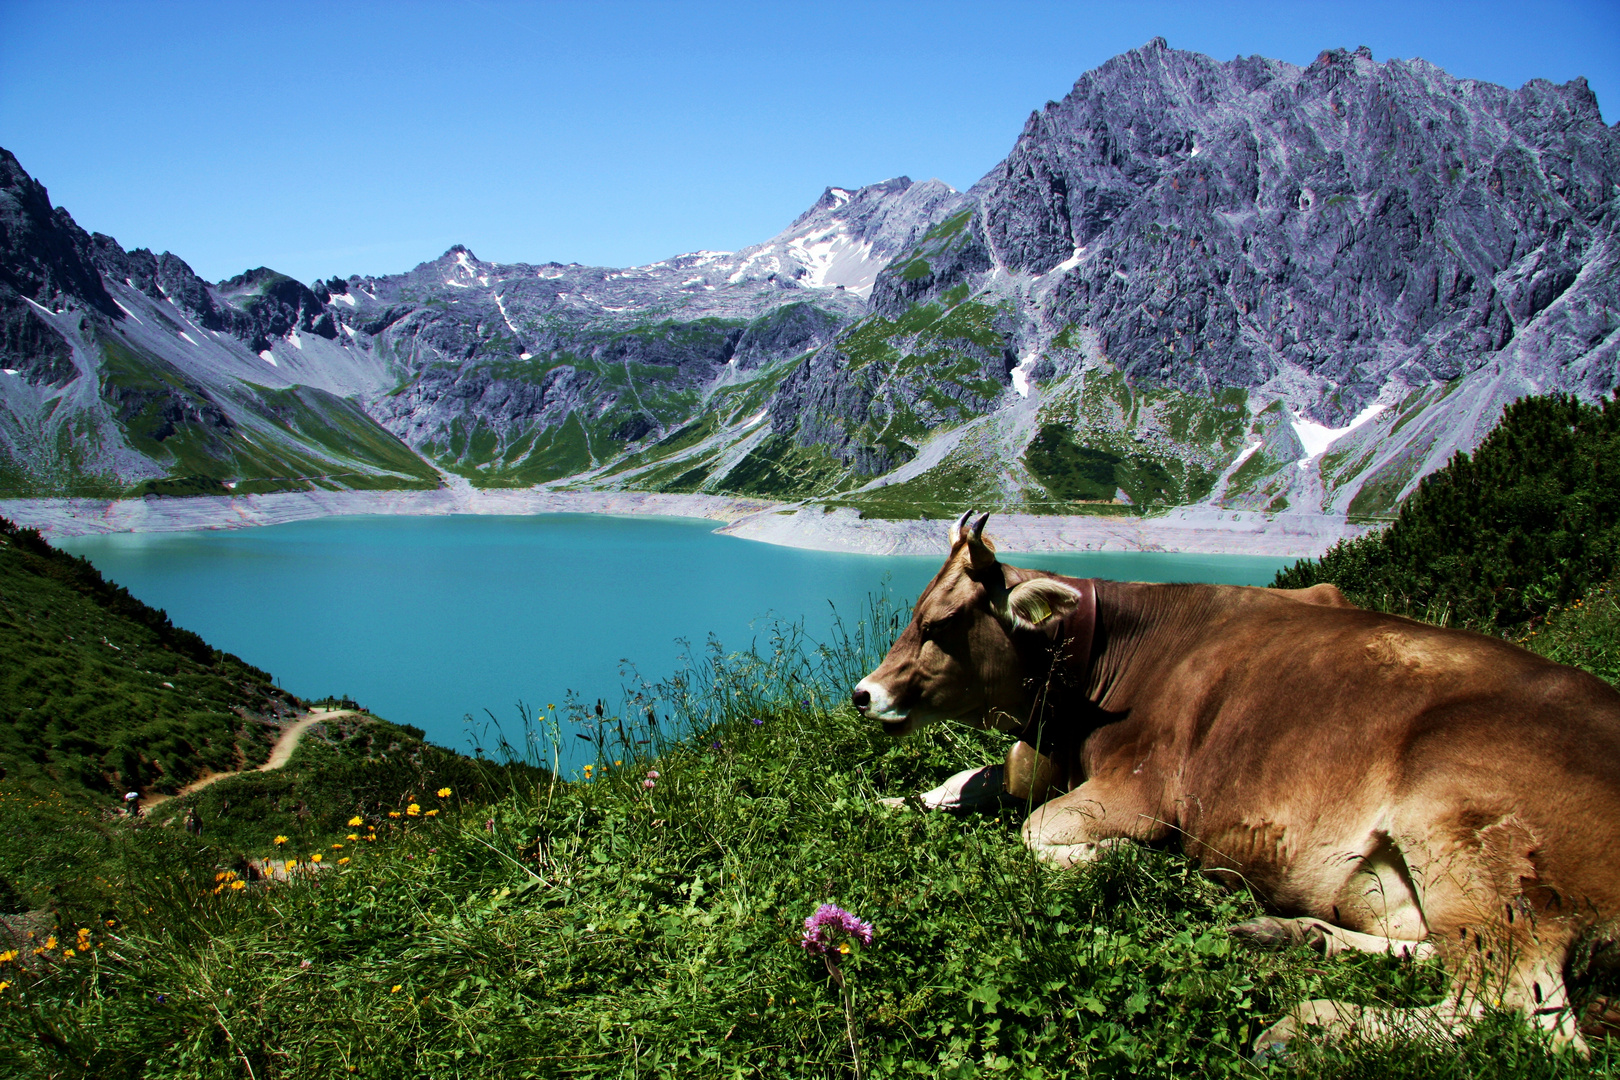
x: 1272, y: 1043
x: 1268, y: 934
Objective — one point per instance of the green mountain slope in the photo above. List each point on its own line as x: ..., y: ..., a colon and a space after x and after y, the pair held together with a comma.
x: 101, y: 694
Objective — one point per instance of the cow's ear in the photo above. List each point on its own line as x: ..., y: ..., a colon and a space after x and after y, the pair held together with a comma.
x: 1040, y: 604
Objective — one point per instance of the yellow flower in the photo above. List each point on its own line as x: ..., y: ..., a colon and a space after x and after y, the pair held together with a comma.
x: 393, y: 813
x: 238, y: 885
x: 343, y: 860
x: 292, y: 864
x: 352, y: 836
x: 8, y: 956
x: 844, y: 948
x: 67, y: 954
x: 618, y: 763
x: 430, y: 813
x: 315, y: 857
x: 278, y: 841
x: 337, y: 847
x: 4, y: 986
x: 413, y: 809
x: 220, y: 876
x: 444, y: 793
x: 357, y: 820
x: 50, y: 942
x: 396, y: 989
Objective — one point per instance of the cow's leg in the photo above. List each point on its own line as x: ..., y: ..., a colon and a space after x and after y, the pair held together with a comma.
x: 1534, y: 985
x: 968, y: 788
x: 1080, y: 826
x: 1324, y: 937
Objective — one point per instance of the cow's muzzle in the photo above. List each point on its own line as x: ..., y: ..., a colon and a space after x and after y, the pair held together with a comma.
x: 872, y: 701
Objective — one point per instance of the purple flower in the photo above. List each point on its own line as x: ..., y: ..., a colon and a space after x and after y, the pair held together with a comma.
x: 757, y: 721
x: 717, y: 746
x: 831, y: 922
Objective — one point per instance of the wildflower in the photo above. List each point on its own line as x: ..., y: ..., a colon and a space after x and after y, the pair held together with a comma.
x: 8, y: 956
x: 489, y: 824
x: 757, y: 722
x: 397, y: 988
x: 430, y: 813
x: 50, y: 942
x: 352, y: 836
x: 649, y: 783
x: 357, y: 820
x: 305, y: 965
x: 292, y: 864
x: 315, y: 857
x: 413, y: 810
x: 337, y: 847
x: 830, y: 921
x: 652, y: 774
x: 392, y: 814
x: 618, y: 763
x: 235, y: 885
x: 279, y: 841
x: 444, y: 793
x: 4, y: 986
x: 67, y: 954
x: 343, y: 860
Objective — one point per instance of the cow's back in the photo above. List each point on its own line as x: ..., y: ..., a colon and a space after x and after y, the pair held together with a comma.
x: 1298, y: 732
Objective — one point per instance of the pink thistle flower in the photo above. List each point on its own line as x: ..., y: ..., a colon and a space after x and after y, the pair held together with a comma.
x: 652, y: 774
x: 831, y: 922
x: 649, y: 784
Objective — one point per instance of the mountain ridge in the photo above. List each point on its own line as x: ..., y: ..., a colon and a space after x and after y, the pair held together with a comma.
x: 1237, y: 284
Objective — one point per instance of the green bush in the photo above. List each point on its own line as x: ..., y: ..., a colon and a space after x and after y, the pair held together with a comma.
x: 1528, y: 523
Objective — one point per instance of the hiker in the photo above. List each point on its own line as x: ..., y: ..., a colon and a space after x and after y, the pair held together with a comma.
x: 193, y: 822
x: 132, y: 804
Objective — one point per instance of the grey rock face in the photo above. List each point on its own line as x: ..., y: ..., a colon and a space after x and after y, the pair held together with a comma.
x: 1323, y: 230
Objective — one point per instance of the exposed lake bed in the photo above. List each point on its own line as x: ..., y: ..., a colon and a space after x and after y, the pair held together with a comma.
x: 1204, y: 529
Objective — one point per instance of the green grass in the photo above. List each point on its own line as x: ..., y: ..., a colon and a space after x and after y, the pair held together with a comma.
x: 99, y: 692
x: 604, y: 928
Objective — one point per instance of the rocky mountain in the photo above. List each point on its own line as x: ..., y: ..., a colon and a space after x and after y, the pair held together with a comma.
x: 1240, y: 283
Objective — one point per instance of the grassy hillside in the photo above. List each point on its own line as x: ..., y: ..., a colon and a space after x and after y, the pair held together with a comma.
x: 1527, y: 524
x: 100, y: 693
x: 646, y: 920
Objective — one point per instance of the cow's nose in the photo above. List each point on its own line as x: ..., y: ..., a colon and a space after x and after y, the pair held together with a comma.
x: 861, y: 698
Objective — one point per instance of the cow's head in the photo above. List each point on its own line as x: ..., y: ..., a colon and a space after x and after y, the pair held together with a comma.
x: 960, y: 658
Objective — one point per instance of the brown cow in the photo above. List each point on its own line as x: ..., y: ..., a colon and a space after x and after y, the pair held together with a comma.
x: 1381, y: 784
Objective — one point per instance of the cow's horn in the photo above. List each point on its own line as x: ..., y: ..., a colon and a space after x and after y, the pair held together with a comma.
x: 980, y: 553
x: 961, y: 523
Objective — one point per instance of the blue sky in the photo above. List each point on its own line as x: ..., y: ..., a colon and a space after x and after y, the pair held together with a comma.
x: 337, y: 138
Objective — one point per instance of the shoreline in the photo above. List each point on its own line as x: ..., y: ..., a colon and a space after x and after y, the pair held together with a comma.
x: 1193, y: 529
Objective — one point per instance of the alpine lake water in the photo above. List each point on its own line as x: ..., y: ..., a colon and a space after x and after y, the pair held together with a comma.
x: 444, y: 622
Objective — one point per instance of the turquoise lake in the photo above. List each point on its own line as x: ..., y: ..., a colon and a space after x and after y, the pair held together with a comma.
x: 427, y: 620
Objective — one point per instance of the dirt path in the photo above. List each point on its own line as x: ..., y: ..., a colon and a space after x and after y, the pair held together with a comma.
x: 280, y: 753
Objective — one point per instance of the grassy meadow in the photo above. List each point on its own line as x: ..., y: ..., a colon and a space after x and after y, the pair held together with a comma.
x: 608, y: 926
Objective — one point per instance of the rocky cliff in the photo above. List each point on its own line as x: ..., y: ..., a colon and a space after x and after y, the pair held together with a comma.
x: 1243, y: 284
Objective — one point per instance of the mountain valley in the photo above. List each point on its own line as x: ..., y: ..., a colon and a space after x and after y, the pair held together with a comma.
x: 1239, y: 285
